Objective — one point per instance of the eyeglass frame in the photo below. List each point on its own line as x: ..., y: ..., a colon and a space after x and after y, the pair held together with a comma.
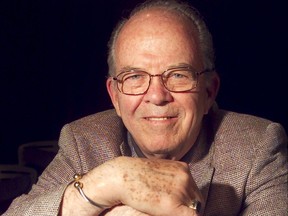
x: 197, y: 74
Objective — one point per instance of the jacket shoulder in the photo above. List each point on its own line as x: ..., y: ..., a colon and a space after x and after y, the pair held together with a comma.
x: 243, y: 136
x: 100, y: 117
x: 97, y: 137
x: 102, y: 127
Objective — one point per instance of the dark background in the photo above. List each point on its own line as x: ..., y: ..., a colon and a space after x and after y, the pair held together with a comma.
x: 53, y: 62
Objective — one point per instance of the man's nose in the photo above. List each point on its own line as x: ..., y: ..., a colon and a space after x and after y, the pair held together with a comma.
x: 157, y: 93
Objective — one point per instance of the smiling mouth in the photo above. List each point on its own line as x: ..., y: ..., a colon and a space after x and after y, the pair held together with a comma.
x: 158, y: 118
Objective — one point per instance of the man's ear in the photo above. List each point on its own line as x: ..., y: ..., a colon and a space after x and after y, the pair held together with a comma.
x: 113, y: 93
x: 212, y: 89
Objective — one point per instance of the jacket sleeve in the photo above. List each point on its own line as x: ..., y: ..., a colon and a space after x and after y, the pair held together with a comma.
x: 46, y: 195
x: 266, y: 188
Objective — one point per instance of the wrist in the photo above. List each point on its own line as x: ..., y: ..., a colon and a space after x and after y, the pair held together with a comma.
x: 74, y: 204
x: 79, y: 186
x: 101, y: 187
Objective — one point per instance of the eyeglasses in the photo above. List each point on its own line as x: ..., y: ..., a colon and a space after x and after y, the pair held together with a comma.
x: 178, y: 79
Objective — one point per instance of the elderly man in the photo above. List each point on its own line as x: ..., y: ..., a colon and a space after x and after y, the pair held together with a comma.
x: 168, y: 149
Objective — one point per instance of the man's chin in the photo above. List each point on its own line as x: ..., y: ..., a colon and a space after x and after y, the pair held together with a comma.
x: 160, y: 154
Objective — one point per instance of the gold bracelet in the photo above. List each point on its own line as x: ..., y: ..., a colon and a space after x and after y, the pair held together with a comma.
x: 79, y: 185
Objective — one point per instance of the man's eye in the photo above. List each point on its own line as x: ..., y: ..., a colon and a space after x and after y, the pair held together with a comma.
x: 178, y: 75
x: 134, y: 77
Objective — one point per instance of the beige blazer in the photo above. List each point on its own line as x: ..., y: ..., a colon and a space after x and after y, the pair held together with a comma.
x: 239, y: 162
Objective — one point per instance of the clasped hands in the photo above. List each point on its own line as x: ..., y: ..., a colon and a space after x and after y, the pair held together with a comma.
x: 138, y: 187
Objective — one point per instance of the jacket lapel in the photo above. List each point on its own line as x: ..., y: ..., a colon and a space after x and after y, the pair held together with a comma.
x: 125, y: 149
x: 200, y: 158
x: 202, y: 174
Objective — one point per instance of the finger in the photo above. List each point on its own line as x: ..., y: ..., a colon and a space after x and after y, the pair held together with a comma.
x: 186, y: 211
x: 195, y: 205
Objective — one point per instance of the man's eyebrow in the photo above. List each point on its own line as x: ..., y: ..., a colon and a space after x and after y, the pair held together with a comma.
x: 131, y: 68
x: 179, y: 65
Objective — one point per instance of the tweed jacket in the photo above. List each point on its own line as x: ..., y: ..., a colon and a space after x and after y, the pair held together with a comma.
x: 239, y: 163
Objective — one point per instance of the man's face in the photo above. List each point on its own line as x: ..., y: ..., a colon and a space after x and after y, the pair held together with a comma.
x: 163, y: 124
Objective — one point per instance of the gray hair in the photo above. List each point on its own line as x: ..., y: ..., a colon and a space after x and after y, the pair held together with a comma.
x: 205, y: 38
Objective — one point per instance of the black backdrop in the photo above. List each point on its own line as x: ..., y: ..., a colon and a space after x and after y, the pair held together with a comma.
x: 53, y: 62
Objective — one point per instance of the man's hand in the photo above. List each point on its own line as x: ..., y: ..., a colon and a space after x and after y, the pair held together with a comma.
x: 151, y: 186
x: 123, y: 210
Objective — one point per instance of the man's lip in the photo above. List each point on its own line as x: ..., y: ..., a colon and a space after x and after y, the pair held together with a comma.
x: 159, y: 118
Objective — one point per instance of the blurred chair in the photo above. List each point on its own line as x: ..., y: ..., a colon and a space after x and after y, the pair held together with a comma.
x: 37, y: 154
x: 14, y: 181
